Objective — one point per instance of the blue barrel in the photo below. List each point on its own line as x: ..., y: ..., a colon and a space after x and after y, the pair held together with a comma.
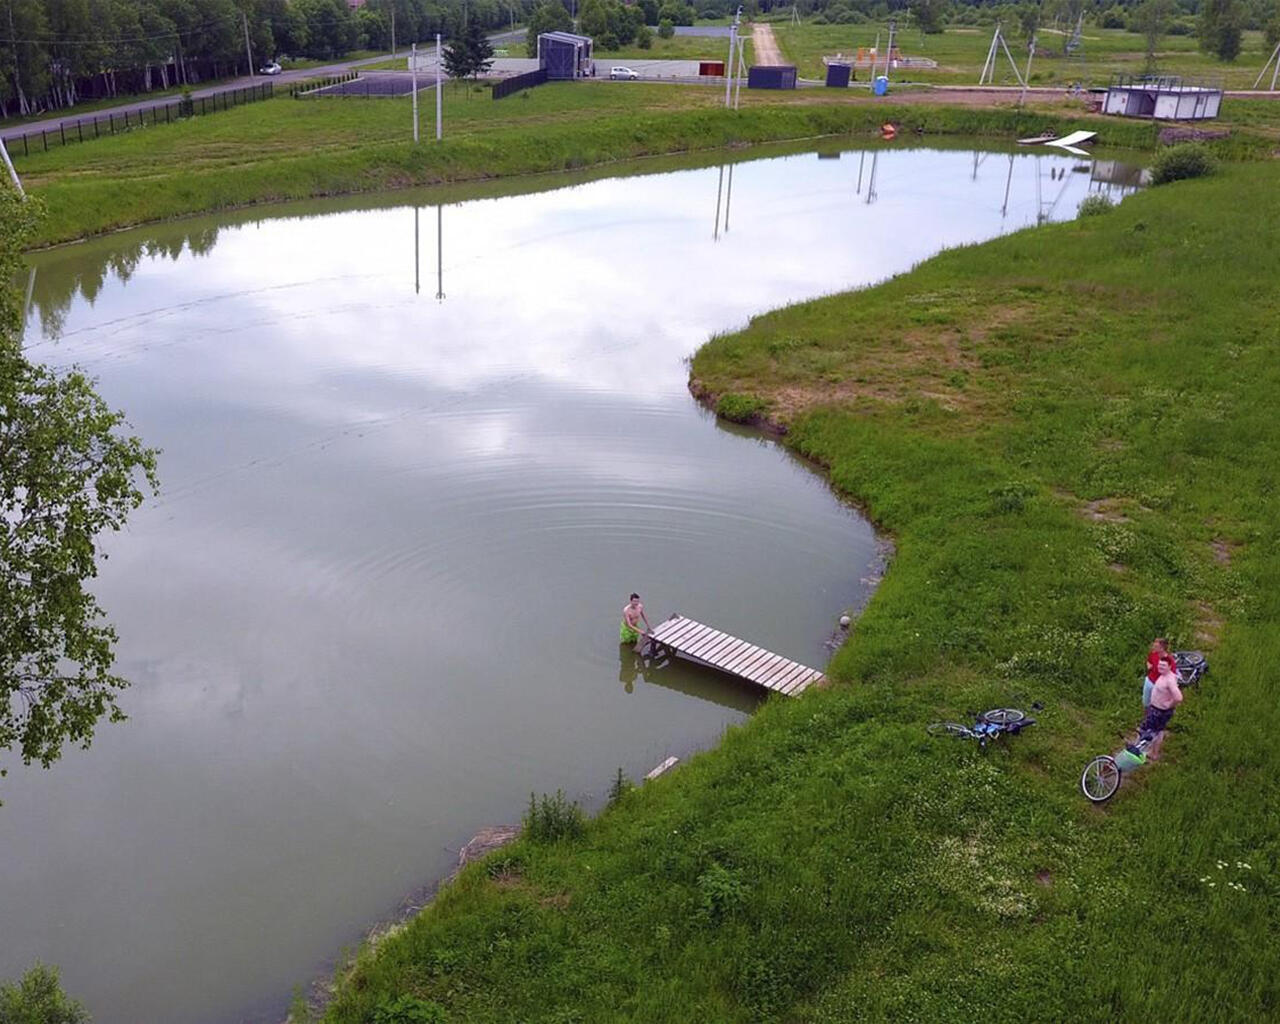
x: 881, y: 85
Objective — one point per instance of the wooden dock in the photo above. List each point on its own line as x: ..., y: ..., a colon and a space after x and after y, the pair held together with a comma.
x: 715, y: 649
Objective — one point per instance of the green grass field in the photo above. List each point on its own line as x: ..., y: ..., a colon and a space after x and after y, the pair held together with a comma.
x: 961, y: 52
x: 675, y: 48
x: 1070, y: 434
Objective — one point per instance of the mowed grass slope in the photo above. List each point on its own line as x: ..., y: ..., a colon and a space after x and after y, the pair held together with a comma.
x: 1071, y: 433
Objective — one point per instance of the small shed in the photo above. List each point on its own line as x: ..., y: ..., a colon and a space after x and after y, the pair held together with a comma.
x: 1163, y: 98
x: 771, y: 76
x: 564, y: 55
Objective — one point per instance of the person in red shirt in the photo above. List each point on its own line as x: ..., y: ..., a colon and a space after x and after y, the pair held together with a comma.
x: 1158, y: 655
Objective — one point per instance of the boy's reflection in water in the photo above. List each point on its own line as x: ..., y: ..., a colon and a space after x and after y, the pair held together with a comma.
x: 631, y: 665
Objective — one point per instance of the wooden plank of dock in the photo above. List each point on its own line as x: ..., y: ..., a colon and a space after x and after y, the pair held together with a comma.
x: 716, y: 649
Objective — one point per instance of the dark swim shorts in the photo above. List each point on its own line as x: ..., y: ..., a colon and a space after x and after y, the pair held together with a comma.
x: 1156, y: 720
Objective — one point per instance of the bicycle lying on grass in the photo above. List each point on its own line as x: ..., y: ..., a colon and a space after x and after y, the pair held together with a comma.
x: 1102, y: 776
x: 987, y: 726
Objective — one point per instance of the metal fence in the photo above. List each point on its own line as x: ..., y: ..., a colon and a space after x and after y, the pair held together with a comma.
x: 305, y: 90
x: 518, y: 82
x: 113, y: 123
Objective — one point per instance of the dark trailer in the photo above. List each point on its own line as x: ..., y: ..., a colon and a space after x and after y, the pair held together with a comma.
x: 564, y: 55
x: 771, y: 76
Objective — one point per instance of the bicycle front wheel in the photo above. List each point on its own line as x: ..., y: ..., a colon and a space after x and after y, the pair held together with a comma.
x: 949, y: 729
x: 1100, y: 779
x: 1001, y: 716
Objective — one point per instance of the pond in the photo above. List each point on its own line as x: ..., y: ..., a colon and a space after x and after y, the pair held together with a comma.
x: 414, y: 460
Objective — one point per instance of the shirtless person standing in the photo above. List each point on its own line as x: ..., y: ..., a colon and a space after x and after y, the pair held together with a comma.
x: 632, y: 615
x: 1165, y: 696
x: 1157, y: 657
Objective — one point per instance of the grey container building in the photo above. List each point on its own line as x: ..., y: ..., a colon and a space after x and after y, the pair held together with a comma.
x: 1164, y: 98
x: 564, y: 55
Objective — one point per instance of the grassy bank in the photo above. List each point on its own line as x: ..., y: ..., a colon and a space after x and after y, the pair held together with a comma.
x: 961, y: 52
x: 1070, y: 432
x: 285, y: 149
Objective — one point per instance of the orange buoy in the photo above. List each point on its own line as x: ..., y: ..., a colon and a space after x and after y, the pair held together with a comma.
x: 888, y: 131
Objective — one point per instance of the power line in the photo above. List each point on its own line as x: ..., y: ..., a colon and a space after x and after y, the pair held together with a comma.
x: 175, y: 31
x: 101, y: 41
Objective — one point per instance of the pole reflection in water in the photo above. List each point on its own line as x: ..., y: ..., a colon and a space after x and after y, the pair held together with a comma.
x: 439, y: 253
x: 871, y: 181
x: 417, y: 263
x: 26, y: 303
x: 862, y: 159
x: 715, y: 231
x: 728, y: 198
x: 1004, y: 209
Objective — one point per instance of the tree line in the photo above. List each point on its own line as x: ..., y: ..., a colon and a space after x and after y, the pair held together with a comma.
x: 55, y: 53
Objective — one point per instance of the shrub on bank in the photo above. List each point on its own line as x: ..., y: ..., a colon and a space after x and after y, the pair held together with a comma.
x: 1095, y: 204
x: 740, y: 408
x: 1191, y: 160
x: 553, y: 818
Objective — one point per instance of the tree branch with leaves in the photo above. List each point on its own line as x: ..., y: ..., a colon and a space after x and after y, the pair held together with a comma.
x: 69, y: 472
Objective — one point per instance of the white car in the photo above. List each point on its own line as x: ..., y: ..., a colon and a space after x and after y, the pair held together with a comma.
x: 270, y: 69
x: 623, y: 73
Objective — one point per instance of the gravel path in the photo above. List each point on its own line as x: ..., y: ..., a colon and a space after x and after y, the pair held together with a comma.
x: 765, y: 46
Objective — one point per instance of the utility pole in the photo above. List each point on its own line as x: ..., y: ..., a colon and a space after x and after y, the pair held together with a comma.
x: 413, y: 69
x: 393, y: 30
x: 728, y: 67
x: 248, y: 52
x: 734, y: 42
x: 1031, y: 52
x: 12, y: 173
x: 439, y: 89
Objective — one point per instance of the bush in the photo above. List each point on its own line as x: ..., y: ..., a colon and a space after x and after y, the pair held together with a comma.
x: 553, y: 818
x: 720, y: 893
x: 1190, y: 160
x: 408, y: 1009
x: 609, y: 41
x: 666, y: 28
x: 39, y: 999
x: 740, y: 408
x: 1095, y: 204
x: 644, y: 37
x: 1181, y: 27
x: 1113, y: 18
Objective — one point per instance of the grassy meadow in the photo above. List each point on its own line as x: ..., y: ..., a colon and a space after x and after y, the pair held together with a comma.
x: 961, y: 51
x: 1070, y: 434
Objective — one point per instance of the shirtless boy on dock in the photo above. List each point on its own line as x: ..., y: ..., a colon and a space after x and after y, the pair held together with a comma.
x: 632, y: 615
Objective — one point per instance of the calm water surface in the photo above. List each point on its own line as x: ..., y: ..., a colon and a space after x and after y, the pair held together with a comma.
x: 414, y: 460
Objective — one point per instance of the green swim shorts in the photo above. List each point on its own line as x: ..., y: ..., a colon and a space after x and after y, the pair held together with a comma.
x: 627, y: 635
